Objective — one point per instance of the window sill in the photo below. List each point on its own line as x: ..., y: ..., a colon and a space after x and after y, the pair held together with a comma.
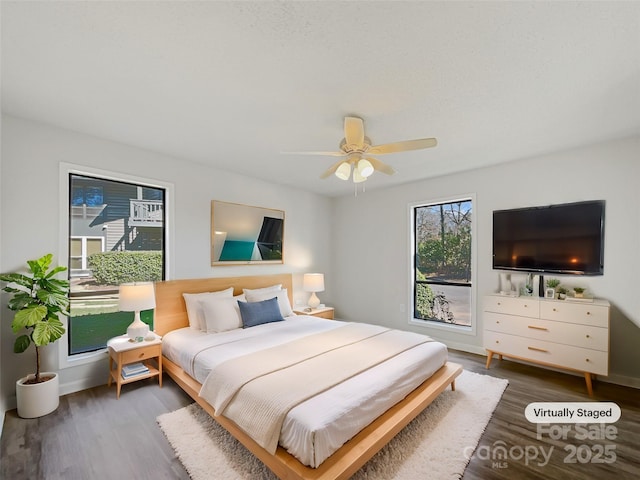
x: 449, y: 327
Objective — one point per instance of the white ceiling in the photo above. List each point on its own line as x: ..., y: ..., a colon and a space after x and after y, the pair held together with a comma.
x: 233, y: 84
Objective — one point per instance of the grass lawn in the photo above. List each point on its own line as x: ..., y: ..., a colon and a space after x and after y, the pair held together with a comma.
x: 91, y: 332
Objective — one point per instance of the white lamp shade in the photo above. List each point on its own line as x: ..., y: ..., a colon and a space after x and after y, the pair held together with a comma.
x: 343, y: 171
x: 136, y: 297
x: 357, y: 178
x: 365, y: 168
x: 313, y: 282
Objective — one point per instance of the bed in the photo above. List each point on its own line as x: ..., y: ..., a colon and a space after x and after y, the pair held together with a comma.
x: 172, y: 322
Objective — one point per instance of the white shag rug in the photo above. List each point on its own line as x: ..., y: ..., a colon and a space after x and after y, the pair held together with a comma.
x: 435, y: 445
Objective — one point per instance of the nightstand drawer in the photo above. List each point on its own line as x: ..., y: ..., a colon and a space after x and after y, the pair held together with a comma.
x: 142, y: 353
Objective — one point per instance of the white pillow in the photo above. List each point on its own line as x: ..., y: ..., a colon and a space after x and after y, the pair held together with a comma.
x: 281, y: 295
x: 272, y: 288
x: 194, y: 310
x: 221, y: 314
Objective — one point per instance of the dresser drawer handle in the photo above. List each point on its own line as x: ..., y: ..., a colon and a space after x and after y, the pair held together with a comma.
x: 588, y: 336
x: 497, y: 341
x: 538, y: 328
x: 588, y: 313
x: 555, y: 310
x: 538, y: 349
x: 587, y: 360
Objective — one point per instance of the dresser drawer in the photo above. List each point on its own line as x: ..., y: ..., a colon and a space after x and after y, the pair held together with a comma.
x: 552, y: 354
x: 581, y: 313
x: 522, y: 306
x: 585, y: 336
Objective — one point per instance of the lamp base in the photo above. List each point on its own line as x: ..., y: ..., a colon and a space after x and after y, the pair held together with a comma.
x: 137, y: 328
x: 314, y: 301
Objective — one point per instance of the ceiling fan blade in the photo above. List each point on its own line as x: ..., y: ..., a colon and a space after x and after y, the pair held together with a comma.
x: 327, y: 154
x: 381, y: 167
x: 403, y: 146
x: 332, y: 169
x: 354, y: 131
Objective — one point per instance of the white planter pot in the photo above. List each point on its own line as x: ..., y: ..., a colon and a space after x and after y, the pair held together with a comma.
x: 38, y: 399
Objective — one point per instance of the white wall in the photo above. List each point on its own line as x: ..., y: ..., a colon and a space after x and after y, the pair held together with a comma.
x: 371, y: 242
x: 31, y: 217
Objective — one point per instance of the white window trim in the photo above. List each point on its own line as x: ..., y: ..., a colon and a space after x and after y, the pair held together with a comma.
x: 431, y: 324
x: 64, y: 360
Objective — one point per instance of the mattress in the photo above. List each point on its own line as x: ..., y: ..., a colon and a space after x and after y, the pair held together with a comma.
x: 317, y: 427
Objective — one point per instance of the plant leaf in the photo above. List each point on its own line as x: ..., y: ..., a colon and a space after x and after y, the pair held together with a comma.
x: 56, y: 270
x: 18, y: 279
x: 28, y: 317
x: 20, y: 301
x: 46, y: 332
x: 53, y: 298
x: 21, y: 344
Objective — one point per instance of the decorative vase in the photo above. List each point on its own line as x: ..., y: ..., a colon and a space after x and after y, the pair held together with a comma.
x: 505, y: 283
x: 37, y: 399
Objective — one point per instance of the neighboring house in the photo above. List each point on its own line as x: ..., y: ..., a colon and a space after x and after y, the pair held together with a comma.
x: 107, y: 216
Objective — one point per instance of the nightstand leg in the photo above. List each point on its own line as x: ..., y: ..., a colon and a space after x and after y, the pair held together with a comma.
x: 160, y: 370
x: 110, y: 368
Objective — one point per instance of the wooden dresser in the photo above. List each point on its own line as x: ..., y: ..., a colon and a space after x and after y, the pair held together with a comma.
x: 557, y: 333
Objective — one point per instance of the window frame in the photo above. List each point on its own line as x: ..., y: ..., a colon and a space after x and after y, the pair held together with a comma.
x: 66, y: 169
x: 433, y: 324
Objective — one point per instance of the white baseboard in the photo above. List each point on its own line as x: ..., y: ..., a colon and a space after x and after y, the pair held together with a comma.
x: 81, y: 384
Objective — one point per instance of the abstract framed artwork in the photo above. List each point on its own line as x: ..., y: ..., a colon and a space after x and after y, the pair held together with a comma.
x: 243, y: 234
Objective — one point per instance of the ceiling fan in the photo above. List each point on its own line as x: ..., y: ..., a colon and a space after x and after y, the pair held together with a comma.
x: 357, y: 149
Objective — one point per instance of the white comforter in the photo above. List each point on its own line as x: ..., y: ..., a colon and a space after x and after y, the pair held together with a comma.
x: 313, y: 430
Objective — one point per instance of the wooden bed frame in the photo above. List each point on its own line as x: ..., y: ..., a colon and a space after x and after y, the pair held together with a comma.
x: 170, y: 314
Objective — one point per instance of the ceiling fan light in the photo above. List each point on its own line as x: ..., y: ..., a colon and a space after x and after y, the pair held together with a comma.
x: 344, y: 171
x: 365, y: 168
x: 357, y: 178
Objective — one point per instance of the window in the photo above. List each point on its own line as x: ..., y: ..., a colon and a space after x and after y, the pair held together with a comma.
x: 116, y: 235
x: 442, y: 265
x: 79, y: 250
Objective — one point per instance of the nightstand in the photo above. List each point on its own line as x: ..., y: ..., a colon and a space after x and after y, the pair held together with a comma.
x: 124, y: 352
x: 322, y: 312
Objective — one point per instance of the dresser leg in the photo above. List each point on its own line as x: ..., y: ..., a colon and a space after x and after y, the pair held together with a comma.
x: 489, y: 358
x: 587, y: 378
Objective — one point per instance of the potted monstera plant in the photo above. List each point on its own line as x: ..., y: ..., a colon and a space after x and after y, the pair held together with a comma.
x: 37, y: 298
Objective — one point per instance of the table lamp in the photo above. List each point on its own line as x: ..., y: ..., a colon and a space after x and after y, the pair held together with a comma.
x: 135, y: 297
x: 313, y: 282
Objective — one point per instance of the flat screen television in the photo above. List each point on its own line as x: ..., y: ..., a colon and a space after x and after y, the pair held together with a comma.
x: 562, y: 239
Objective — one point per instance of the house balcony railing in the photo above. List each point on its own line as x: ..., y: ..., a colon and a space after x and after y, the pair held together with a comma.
x: 145, y: 213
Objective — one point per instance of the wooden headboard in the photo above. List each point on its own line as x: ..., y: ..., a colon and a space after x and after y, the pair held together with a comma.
x: 171, y: 312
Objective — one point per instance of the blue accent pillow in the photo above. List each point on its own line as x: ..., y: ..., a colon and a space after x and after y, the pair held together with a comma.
x: 257, y: 313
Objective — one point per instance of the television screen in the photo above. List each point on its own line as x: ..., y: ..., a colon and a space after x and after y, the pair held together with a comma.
x: 567, y: 238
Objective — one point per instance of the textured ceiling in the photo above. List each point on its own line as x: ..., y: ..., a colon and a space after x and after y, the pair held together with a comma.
x: 233, y: 84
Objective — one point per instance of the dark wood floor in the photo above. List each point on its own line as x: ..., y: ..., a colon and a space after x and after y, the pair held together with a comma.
x: 94, y: 436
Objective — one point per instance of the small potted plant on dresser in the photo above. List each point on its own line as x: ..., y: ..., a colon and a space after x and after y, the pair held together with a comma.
x: 578, y: 292
x: 37, y: 299
x: 562, y: 292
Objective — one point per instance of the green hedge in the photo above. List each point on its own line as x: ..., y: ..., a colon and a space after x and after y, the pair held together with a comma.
x: 114, y: 268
